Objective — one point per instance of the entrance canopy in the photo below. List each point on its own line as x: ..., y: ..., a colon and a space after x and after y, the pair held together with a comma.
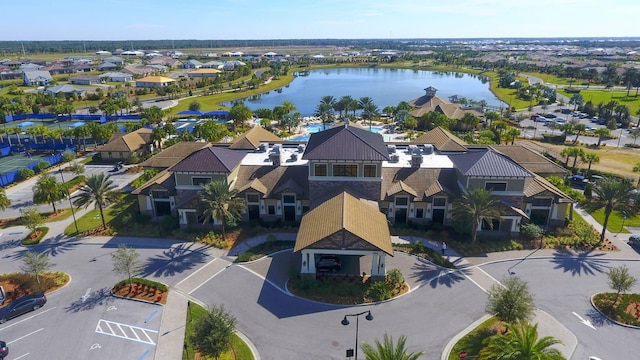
x: 345, y: 222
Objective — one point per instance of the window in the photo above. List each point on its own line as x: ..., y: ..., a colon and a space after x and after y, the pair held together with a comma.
x: 439, y: 201
x: 345, y: 170
x: 494, y: 222
x: 320, y: 170
x: 199, y: 181
x: 370, y: 171
x: 271, y: 209
x: 495, y: 186
x: 305, y: 208
x: 289, y: 199
x: 402, y: 201
x: 419, y: 213
x: 253, y: 198
x: 541, y: 202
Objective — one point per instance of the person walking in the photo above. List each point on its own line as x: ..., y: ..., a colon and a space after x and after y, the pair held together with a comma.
x: 444, y: 247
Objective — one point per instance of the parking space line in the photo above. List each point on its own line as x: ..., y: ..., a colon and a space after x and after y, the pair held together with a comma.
x: 21, y: 356
x: 103, y: 324
x: 27, y: 318
x: 22, y: 337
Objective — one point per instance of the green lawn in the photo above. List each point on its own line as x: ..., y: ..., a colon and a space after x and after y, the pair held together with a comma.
x: 240, y: 349
x: 116, y: 216
x: 615, y: 221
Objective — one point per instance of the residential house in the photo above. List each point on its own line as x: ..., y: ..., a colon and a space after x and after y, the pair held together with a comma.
x: 166, y: 61
x: 140, y: 70
x: 85, y: 79
x: 232, y: 65
x: 154, y: 82
x: 107, y: 66
x: 192, y: 64
x: 37, y: 78
x: 116, y: 77
x: 121, y: 146
x: 251, y: 139
x: 173, y: 155
x: 67, y: 90
x: 432, y: 103
x: 56, y: 68
x: 114, y: 60
x: 202, y: 73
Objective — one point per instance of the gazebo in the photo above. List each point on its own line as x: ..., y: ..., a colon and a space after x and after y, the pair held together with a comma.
x: 347, y: 227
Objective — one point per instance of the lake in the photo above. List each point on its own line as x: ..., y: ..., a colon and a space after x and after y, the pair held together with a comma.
x: 387, y: 87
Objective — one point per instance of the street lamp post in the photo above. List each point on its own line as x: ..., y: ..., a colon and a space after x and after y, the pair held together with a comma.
x: 73, y: 213
x: 345, y: 322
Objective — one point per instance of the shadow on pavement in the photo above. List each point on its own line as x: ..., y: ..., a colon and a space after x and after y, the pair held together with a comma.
x: 98, y: 297
x: 175, y: 260
x: 586, y: 263
x: 597, y: 319
x: 57, y: 245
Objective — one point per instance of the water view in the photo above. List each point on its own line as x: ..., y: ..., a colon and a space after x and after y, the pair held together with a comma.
x: 387, y: 87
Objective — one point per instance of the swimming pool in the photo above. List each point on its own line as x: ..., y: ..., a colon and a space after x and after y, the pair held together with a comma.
x: 306, y: 137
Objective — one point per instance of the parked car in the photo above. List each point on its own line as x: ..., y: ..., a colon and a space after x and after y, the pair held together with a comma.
x: 4, y: 350
x: 566, y: 111
x: 550, y: 115
x: 22, y: 305
x: 578, y: 181
x: 560, y: 120
x: 328, y: 263
x: 635, y: 240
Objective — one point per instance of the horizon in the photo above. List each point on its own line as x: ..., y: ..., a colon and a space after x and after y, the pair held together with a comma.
x: 145, y: 20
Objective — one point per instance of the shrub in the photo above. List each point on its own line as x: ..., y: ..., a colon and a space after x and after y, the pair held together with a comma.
x: 68, y: 156
x: 133, y: 158
x: 41, y: 166
x: 531, y: 231
x: 380, y: 291
x: 24, y: 174
x: 395, y: 278
x: 143, y: 219
x: 169, y: 223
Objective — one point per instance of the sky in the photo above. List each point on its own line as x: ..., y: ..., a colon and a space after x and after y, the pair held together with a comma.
x: 315, y: 19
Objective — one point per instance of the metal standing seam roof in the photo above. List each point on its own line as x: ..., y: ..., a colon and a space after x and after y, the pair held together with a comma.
x: 346, y: 143
x: 210, y: 159
x: 173, y: 154
x: 488, y: 164
x: 442, y: 140
x: 272, y: 180
x: 345, y: 212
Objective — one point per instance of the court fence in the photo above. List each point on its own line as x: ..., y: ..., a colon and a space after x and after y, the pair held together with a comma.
x: 10, y: 176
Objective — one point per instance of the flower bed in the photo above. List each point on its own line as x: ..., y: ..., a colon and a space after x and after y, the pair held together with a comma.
x: 35, y: 236
x: 142, y: 289
x: 625, y: 311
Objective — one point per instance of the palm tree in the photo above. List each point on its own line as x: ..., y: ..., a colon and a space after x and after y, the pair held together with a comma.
x: 521, y: 343
x: 611, y: 194
x: 99, y: 190
x: 602, y: 133
x: 48, y: 190
x: 4, y: 200
x: 221, y: 203
x: 288, y: 106
x: 591, y: 158
x: 387, y: 350
x: 239, y: 114
x: 325, y: 112
x: 475, y: 207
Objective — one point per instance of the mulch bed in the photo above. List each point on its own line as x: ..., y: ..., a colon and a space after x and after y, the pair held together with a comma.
x: 142, y: 292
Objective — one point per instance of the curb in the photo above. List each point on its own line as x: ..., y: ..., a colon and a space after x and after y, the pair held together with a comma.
x: 141, y: 300
x: 607, y: 317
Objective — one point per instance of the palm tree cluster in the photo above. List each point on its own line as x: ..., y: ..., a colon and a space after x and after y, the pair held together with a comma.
x: 100, y: 191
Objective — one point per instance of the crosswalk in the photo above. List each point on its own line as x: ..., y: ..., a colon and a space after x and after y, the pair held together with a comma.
x: 128, y: 332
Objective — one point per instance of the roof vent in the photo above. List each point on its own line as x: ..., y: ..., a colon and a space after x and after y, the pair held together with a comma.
x: 412, y: 149
x: 391, y: 149
x: 301, y: 148
x: 263, y: 147
x: 276, y: 149
x: 428, y: 149
x: 394, y: 158
x: 294, y: 157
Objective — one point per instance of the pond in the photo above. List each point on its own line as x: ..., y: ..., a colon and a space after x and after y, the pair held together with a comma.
x: 387, y: 87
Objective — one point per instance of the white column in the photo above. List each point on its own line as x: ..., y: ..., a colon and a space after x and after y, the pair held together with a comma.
x: 308, y: 264
x: 378, y: 266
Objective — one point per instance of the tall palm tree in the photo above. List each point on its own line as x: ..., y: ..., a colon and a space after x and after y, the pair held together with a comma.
x: 288, y: 106
x: 325, y: 112
x: 521, y: 343
x: 591, y: 158
x: 611, y: 194
x: 239, y: 114
x: 48, y: 190
x: 4, y: 200
x: 221, y: 203
x: 98, y: 190
x: 387, y: 350
x: 474, y: 207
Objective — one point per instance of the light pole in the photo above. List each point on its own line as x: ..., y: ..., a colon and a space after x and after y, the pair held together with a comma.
x: 345, y: 322
x: 73, y: 213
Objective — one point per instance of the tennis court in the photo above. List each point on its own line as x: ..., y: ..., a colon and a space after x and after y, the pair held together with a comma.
x: 18, y: 161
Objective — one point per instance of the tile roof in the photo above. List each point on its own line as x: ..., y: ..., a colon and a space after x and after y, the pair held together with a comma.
x: 530, y: 159
x: 156, y: 79
x: 163, y: 180
x: 273, y: 180
x: 210, y: 159
x: 346, y: 143
x: 173, y: 154
x: 488, y: 164
x: 345, y: 212
x: 424, y: 182
x: 128, y: 142
x: 251, y: 139
x: 442, y: 139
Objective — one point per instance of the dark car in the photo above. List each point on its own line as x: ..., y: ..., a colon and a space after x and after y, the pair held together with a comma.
x: 4, y: 350
x: 635, y: 240
x: 22, y: 305
x: 578, y: 181
x: 550, y: 116
x: 328, y: 263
